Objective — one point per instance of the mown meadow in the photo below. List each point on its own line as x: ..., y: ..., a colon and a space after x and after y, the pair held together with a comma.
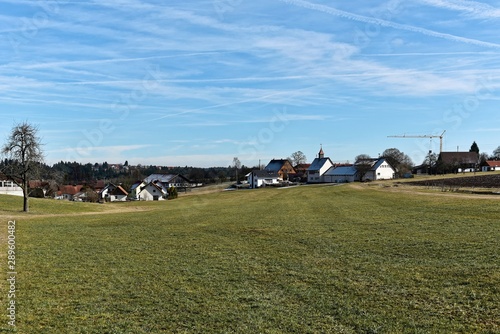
x: 309, y: 259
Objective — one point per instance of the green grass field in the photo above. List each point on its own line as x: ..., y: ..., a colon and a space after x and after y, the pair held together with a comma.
x: 310, y: 259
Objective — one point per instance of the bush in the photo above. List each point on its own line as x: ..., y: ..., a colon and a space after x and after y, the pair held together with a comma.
x: 37, y: 193
x: 172, y: 193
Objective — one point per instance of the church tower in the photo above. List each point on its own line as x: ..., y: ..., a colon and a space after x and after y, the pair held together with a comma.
x: 321, y: 154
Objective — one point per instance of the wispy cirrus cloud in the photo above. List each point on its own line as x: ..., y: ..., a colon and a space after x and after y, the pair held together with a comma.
x: 385, y: 23
x: 106, y: 149
x: 474, y: 8
x: 221, y: 79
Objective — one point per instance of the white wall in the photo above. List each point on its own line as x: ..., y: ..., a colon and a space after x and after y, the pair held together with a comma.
x: 117, y: 198
x: 384, y: 172
x: 148, y: 193
x: 326, y: 166
x: 256, y: 182
x: 343, y: 178
x: 313, y: 177
x: 10, y: 188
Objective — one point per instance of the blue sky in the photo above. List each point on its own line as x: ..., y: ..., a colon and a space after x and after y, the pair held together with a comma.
x: 197, y: 83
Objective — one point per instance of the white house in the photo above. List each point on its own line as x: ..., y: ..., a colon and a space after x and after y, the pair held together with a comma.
x: 380, y: 169
x: 491, y: 165
x: 8, y: 187
x: 262, y: 178
x: 155, y: 186
x: 118, y: 194
x: 113, y: 193
x: 150, y: 192
x: 318, y: 168
x: 68, y: 192
x: 104, y: 194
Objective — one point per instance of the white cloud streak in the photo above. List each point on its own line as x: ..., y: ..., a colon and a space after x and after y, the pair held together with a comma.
x: 476, y: 9
x: 384, y: 23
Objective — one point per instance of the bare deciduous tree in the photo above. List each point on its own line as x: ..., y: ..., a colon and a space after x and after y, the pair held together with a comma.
x: 363, y: 163
x: 23, y: 153
x: 236, y: 165
x: 297, y: 158
x: 398, y: 160
x: 496, y: 154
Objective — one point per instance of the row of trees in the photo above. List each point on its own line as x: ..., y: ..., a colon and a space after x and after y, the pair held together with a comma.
x: 74, y: 172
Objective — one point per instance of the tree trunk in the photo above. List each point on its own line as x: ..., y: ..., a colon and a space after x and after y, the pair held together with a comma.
x: 26, y: 207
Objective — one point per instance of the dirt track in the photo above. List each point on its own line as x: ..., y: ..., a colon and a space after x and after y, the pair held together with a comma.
x: 109, y: 210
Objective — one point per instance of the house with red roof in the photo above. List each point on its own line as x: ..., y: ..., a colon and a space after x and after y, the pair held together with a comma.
x: 112, y: 193
x: 68, y: 192
x: 491, y: 165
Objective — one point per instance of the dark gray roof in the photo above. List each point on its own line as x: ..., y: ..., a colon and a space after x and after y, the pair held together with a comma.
x: 135, y: 185
x: 160, y: 177
x: 341, y: 171
x: 165, y: 178
x: 379, y: 162
x: 318, y: 163
x: 265, y: 173
x: 277, y: 164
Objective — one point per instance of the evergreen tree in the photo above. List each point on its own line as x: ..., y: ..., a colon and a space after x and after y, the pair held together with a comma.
x: 474, y: 148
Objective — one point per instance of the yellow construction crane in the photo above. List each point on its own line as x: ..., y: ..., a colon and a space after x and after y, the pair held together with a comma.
x: 425, y: 136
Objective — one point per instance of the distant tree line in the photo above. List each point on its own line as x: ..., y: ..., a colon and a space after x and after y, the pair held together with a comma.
x: 65, y: 172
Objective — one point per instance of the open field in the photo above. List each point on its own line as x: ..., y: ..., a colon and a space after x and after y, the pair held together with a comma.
x: 482, y: 181
x: 310, y: 259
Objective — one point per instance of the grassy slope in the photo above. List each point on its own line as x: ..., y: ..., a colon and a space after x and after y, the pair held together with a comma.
x: 308, y: 259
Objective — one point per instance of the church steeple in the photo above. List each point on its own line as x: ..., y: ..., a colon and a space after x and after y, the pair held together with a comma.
x: 321, y: 154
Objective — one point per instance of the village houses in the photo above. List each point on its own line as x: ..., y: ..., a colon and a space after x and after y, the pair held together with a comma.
x: 323, y: 170
x: 155, y: 187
